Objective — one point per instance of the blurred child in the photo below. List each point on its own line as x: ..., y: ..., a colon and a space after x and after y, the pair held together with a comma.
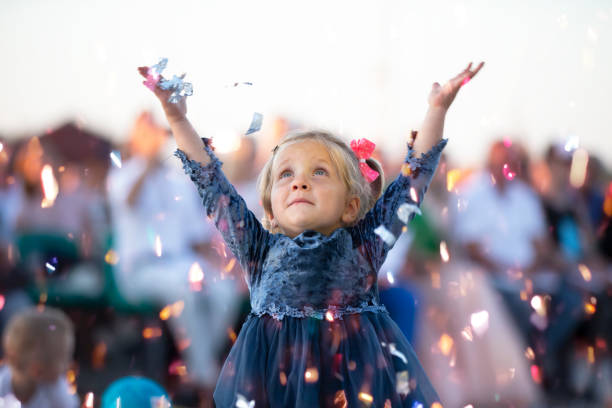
x: 38, y: 346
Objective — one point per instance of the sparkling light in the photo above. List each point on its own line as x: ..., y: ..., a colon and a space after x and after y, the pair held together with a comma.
x: 89, y: 400
x: 444, y: 252
x: 508, y: 174
x: 365, y: 397
x: 158, y: 246
x: 49, y: 186
x: 311, y: 375
x: 480, y: 322
x: 578, y: 170
x: 585, y: 272
x: 196, y: 277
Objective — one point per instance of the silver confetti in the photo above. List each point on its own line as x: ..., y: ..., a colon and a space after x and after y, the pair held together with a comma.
x: 160, y: 66
x: 385, y: 234
x: 115, y: 156
x: 255, y: 123
x: 395, y: 352
x: 402, y: 383
x: 242, y: 402
x: 406, y: 210
x: 178, y: 86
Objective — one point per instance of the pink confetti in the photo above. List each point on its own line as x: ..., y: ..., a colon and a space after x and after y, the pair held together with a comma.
x: 508, y: 174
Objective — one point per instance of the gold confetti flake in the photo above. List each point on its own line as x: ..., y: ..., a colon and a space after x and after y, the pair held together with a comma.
x: 311, y: 375
x: 445, y: 344
x: 365, y: 397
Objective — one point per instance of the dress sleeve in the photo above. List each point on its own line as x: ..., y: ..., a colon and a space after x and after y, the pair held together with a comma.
x: 377, y: 231
x: 240, y: 228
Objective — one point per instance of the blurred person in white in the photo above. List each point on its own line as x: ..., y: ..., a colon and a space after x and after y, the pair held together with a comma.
x: 498, y: 230
x: 11, y: 198
x: 38, y: 345
x: 162, y: 239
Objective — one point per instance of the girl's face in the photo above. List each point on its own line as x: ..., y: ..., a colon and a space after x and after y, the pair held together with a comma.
x: 307, y: 192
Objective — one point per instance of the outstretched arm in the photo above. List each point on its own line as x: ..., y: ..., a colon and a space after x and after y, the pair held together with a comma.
x: 187, y: 139
x: 440, y: 100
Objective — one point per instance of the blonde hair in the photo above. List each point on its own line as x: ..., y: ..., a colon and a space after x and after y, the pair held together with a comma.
x: 344, y: 160
x: 39, y: 336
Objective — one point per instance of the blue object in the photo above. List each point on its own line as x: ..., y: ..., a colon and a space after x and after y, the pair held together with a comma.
x: 317, y: 327
x: 135, y: 392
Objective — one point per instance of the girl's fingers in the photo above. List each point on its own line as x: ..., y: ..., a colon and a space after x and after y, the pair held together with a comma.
x: 144, y: 71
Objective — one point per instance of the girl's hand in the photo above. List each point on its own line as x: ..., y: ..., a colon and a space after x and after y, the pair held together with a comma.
x: 174, y: 111
x: 443, y: 96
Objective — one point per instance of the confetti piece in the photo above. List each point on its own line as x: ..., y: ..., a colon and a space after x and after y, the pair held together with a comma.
x: 536, y: 375
x: 538, y: 304
x: 242, y: 402
x: 402, y: 383
x: 340, y: 399
x: 160, y: 402
x: 50, y: 268
x: 585, y: 272
x: 49, y: 185
x: 196, y: 277
x: 480, y: 322
x: 111, y: 257
x: 151, y: 332
x: 2, y: 302
x: 365, y: 397
x: 406, y: 210
x: 445, y: 344
x: 444, y: 252
x: 178, y: 367
x: 385, y: 234
x: 414, y: 195
x: 89, y: 400
x: 235, y: 84
x: 578, y: 169
x: 329, y: 316
x: 115, y: 156
x: 178, y: 87
x: 160, y: 66
x: 508, y: 174
x: 467, y: 333
x: 571, y: 144
x: 311, y: 375
x: 390, y: 277
x: 255, y: 123
x: 158, y: 246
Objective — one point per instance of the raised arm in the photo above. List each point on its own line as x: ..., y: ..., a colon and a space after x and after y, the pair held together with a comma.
x: 186, y: 137
x: 440, y: 100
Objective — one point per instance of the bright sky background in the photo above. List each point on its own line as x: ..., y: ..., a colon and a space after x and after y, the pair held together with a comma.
x: 359, y: 68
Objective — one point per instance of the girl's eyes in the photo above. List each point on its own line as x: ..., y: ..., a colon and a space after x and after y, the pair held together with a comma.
x: 317, y: 171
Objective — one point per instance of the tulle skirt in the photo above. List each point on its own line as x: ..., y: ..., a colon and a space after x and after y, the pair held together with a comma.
x: 361, y: 360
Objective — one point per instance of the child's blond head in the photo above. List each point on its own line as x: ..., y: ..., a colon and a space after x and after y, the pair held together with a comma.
x: 344, y: 160
x: 39, y: 336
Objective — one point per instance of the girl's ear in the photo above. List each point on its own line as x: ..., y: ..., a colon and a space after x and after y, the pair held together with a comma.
x: 273, y: 222
x: 351, y: 210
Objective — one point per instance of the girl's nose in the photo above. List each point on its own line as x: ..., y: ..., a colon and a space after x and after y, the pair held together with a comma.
x: 300, y: 185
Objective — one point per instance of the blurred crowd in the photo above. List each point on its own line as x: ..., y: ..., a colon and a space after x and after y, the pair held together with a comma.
x: 503, y: 284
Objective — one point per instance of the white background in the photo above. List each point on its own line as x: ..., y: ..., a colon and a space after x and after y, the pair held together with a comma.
x: 359, y: 68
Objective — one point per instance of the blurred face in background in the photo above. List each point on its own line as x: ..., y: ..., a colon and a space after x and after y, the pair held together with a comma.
x: 147, y: 138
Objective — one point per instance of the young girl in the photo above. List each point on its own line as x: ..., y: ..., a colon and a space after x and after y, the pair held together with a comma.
x: 317, y: 335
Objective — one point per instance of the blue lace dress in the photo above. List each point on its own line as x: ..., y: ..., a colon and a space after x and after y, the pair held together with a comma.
x: 317, y: 335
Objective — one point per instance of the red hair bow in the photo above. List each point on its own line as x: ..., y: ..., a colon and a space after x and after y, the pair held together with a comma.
x: 363, y: 149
